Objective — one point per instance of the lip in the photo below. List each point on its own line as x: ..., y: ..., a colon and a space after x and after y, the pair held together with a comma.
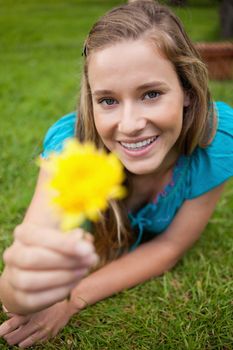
x: 139, y: 153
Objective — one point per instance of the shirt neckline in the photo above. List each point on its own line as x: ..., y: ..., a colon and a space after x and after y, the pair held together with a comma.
x: 176, y: 172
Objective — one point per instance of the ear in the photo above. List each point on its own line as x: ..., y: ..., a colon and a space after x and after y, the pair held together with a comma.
x: 186, y: 99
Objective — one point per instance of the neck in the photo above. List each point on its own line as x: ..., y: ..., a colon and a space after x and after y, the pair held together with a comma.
x: 143, y: 188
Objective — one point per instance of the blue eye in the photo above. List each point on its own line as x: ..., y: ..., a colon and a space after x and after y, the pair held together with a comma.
x: 151, y: 95
x: 107, y: 101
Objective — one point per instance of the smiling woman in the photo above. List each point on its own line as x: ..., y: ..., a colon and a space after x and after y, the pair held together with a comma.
x: 135, y: 120
x: 144, y: 96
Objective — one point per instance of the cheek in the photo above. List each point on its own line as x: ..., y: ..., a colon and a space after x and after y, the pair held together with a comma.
x: 98, y: 122
x: 177, y: 126
x: 175, y: 108
x: 170, y: 123
x: 103, y: 128
x: 175, y: 120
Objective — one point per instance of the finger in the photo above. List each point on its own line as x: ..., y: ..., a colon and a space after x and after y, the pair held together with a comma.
x: 38, y: 258
x: 18, y: 335
x: 69, y: 243
x: 32, y: 281
x: 12, y: 324
x: 34, y: 338
x: 10, y: 314
x: 24, y: 332
x: 44, y: 333
x: 33, y: 302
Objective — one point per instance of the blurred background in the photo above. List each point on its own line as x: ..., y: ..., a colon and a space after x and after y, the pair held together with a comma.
x: 40, y: 63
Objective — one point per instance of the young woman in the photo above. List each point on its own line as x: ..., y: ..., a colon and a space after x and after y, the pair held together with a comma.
x: 144, y: 96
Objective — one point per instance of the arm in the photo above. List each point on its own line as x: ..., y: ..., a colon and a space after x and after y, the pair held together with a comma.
x: 152, y: 258
x: 43, y: 246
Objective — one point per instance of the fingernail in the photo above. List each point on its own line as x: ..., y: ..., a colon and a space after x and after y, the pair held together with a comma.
x: 83, y: 248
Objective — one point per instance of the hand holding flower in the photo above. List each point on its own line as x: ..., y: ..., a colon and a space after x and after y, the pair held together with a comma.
x: 43, y: 266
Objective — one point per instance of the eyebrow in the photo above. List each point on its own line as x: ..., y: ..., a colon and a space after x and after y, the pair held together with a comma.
x: 102, y: 92
x: 153, y: 84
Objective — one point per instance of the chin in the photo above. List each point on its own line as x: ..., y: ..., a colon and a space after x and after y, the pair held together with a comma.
x: 142, y: 170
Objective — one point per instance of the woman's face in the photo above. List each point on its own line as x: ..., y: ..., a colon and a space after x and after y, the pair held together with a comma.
x: 137, y: 103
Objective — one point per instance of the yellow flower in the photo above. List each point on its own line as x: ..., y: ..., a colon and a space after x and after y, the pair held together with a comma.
x: 83, y: 180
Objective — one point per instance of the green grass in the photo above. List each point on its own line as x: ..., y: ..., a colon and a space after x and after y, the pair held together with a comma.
x: 187, y: 308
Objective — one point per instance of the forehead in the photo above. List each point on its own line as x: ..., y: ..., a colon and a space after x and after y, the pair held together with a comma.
x: 129, y: 62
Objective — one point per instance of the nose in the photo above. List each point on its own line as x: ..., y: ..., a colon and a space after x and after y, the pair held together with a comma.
x: 131, y: 122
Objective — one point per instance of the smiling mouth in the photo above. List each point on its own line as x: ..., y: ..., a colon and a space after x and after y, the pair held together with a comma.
x: 139, y: 145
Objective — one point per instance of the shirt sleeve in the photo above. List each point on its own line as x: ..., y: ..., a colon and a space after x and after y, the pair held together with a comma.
x: 54, y: 139
x: 213, y: 165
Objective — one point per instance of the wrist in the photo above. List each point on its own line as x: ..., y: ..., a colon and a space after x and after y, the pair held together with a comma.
x: 78, y: 303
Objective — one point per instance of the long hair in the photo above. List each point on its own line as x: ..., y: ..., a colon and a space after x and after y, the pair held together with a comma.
x: 148, y: 20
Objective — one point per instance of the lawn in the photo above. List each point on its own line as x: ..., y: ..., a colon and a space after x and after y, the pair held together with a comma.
x: 189, y: 307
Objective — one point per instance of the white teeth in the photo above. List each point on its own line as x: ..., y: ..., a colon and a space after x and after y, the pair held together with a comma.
x: 138, y: 144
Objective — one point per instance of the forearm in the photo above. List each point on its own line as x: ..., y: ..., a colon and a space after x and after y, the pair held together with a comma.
x: 149, y: 260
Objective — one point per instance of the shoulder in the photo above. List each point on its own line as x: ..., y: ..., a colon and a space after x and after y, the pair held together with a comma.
x: 56, y: 135
x: 224, y: 130
x: 213, y: 165
x: 224, y: 114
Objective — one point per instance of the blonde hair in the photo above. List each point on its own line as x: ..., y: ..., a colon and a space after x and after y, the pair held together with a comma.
x: 148, y: 20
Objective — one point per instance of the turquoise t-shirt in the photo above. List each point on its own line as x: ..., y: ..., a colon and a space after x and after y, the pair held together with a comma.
x: 193, y: 175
